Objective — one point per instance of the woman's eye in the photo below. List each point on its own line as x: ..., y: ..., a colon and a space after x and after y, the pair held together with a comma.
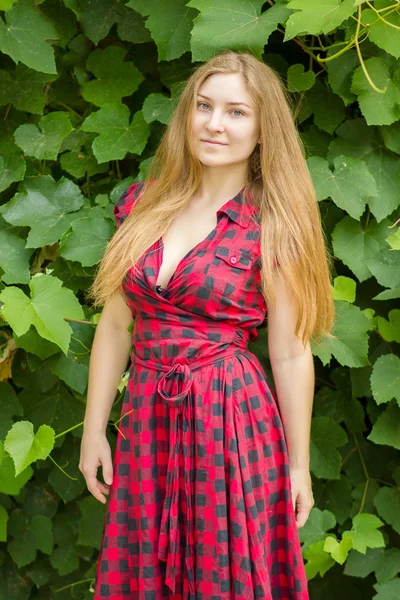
x: 233, y: 110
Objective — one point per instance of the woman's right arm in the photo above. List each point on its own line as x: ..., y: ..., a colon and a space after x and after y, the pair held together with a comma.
x: 108, y: 360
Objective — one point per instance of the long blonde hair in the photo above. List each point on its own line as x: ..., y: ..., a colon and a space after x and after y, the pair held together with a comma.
x: 278, y: 180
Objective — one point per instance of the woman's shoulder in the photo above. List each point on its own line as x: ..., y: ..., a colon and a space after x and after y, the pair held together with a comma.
x: 127, y: 201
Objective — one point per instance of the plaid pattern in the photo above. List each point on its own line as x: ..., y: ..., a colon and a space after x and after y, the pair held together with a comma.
x: 200, y: 506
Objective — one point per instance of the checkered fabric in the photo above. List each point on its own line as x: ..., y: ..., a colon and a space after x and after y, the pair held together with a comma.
x: 200, y: 505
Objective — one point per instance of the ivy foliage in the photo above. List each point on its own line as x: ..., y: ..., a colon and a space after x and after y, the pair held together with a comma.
x: 86, y: 90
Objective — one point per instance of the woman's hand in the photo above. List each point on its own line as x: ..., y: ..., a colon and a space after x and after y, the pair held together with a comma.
x: 96, y: 451
x: 302, y: 495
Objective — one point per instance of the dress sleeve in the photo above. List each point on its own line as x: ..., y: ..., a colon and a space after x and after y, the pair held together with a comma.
x: 126, y: 202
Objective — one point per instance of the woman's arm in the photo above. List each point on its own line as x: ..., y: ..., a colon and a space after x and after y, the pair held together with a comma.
x: 108, y: 360
x: 293, y: 371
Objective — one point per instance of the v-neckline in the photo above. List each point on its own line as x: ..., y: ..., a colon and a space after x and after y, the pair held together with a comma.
x: 160, y: 242
x: 160, y: 247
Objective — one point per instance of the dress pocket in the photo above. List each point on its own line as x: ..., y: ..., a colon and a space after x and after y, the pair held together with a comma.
x: 229, y: 271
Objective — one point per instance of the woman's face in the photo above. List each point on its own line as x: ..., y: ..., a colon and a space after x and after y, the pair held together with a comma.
x: 235, y: 126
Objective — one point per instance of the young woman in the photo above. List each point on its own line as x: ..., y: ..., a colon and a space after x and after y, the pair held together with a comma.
x: 210, y: 480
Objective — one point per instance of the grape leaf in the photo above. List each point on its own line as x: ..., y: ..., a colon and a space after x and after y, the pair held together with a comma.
x: 377, y: 108
x: 172, y: 35
x: 386, y: 429
x: 115, y: 77
x: 316, y: 17
x: 350, y: 185
x: 24, y: 88
x: 238, y: 24
x: 117, y: 137
x: 299, y: 80
x: 24, y: 446
x: 326, y: 436
x: 12, y: 167
x: 44, y: 205
x: 364, y: 532
x: 356, y: 139
x: 353, y: 244
x: 350, y: 344
x: 49, y: 305
x: 14, y: 258
x: 387, y: 501
x: 380, y: 32
x: 44, y: 142
x: 24, y: 37
x: 385, y: 378
x: 87, y: 240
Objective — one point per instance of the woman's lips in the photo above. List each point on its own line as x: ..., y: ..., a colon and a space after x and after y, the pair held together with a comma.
x: 214, y: 143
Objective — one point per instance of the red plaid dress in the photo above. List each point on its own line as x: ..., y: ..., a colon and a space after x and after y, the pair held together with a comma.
x: 200, y: 506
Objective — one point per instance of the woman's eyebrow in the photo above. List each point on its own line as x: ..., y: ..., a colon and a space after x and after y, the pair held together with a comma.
x: 230, y: 103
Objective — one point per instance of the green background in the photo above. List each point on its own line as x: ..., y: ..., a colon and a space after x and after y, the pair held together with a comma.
x: 86, y: 90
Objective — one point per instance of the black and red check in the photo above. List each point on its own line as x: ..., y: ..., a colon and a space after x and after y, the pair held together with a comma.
x: 200, y: 506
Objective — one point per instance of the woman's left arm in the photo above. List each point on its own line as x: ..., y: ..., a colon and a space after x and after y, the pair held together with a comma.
x: 293, y: 371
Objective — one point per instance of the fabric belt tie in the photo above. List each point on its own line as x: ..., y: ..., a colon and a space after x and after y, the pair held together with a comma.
x: 174, y: 386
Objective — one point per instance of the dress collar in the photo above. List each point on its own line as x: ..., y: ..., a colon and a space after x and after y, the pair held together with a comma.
x: 238, y: 210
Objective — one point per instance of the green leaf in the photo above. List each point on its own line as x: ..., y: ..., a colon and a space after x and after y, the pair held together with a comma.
x: 326, y: 436
x: 77, y: 163
x: 385, y: 267
x: 356, y: 139
x: 389, y: 590
x: 32, y: 342
x: 25, y: 89
x: 87, y: 240
x: 340, y: 73
x: 319, y: 561
x: 339, y: 550
x: 364, y: 532
x: 380, y: 32
x: 172, y: 35
x: 353, y: 245
x: 14, y: 258
x: 344, y: 289
x: 10, y: 406
x: 70, y: 370
x: 316, y: 17
x: 391, y: 136
x: 377, y: 108
x: 91, y: 523
x: 327, y: 108
x: 299, y: 80
x: 44, y: 142
x: 158, y: 107
x: 57, y: 408
x: 362, y: 565
x: 25, y: 34
x: 49, y: 305
x: 350, y: 185
x: 117, y: 137
x: 71, y: 484
x: 386, y: 429
x: 25, y: 447
x: 385, y: 378
x: 30, y: 536
x: 9, y: 482
x: 387, y: 501
x: 44, y: 205
x: 12, y: 168
x: 316, y: 526
x: 115, y: 77
x: 350, y: 343
x: 238, y: 24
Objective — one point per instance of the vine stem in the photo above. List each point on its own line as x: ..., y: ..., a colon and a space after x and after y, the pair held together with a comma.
x: 71, y: 585
x: 61, y: 469
x: 80, y: 321
x: 364, y: 68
